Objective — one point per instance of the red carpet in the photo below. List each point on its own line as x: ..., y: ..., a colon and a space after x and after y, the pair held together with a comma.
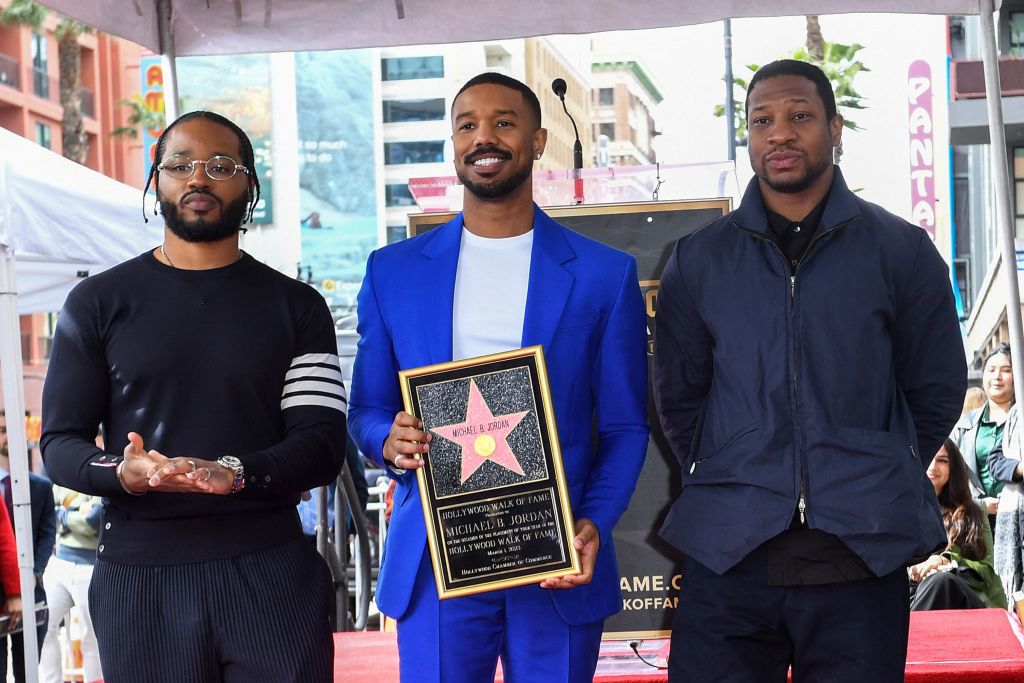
x: 968, y: 646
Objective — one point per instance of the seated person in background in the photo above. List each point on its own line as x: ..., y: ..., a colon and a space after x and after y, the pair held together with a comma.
x: 962, y: 576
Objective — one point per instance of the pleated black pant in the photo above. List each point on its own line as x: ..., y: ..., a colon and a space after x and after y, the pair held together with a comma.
x: 260, y: 617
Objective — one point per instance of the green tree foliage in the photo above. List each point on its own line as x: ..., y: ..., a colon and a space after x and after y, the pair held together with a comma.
x: 27, y: 12
x: 139, y: 116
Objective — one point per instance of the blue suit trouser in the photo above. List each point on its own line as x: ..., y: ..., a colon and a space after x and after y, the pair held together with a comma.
x: 735, y: 627
x: 459, y: 640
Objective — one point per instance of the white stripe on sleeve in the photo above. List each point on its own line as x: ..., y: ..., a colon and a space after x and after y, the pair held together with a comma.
x: 314, y: 400
x: 310, y: 383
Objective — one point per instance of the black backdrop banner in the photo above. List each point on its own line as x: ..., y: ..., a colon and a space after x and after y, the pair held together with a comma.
x: 648, y: 567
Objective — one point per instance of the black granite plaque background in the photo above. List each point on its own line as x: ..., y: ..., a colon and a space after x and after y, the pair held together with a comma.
x: 502, y: 535
x: 507, y: 391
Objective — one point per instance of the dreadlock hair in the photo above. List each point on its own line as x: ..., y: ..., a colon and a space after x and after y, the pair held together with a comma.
x: 495, y: 78
x: 248, y: 159
x: 962, y: 517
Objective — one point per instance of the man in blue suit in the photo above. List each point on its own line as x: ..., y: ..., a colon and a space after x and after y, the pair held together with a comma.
x: 500, y: 276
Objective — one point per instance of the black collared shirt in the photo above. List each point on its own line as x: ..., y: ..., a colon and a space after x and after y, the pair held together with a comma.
x: 793, y: 237
x: 801, y: 556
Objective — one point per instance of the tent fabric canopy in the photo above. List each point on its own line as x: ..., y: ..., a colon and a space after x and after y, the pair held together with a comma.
x: 210, y: 27
x: 63, y: 221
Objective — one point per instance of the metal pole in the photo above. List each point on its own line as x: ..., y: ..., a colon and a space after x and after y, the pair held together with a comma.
x: 1001, y: 181
x: 730, y: 104
x: 164, y: 12
x: 14, y: 406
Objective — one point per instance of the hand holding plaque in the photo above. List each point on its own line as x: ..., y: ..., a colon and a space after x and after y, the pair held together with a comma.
x: 405, y: 442
x: 495, y: 501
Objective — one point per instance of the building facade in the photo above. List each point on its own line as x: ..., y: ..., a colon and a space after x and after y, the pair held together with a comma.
x: 978, y: 268
x: 624, y: 99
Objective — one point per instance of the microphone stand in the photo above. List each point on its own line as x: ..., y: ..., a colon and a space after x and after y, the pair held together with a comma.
x: 577, y: 159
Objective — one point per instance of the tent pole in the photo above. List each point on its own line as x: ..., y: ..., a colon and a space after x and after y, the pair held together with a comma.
x: 1001, y: 182
x: 14, y: 406
x: 170, y: 59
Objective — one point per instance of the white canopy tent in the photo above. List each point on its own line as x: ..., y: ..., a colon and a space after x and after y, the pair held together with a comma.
x: 59, y: 222
x: 206, y: 27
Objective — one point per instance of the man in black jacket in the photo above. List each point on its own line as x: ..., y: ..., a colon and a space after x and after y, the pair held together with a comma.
x: 808, y: 365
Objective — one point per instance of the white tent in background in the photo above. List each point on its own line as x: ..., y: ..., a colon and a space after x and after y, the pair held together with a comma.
x: 62, y: 222
x: 59, y: 222
x: 207, y: 27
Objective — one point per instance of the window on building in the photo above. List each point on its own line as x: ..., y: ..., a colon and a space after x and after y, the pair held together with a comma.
x: 396, y: 233
x: 1017, y: 34
x: 40, y: 81
x: 398, y: 194
x: 606, y: 129
x: 1018, y: 186
x: 402, y: 111
x: 43, y: 135
x: 424, y: 152
x: 606, y: 96
x: 409, y: 68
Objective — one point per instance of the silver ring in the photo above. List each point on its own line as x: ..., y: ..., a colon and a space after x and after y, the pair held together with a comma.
x: 208, y: 473
x: 193, y: 463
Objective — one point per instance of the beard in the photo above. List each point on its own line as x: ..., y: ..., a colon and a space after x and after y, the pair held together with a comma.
x: 792, y: 185
x: 201, y: 230
x: 483, y: 190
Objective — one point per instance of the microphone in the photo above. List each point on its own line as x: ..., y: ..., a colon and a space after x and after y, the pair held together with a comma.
x: 559, y: 87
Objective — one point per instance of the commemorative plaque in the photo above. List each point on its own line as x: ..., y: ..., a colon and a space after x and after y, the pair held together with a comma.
x: 493, y: 488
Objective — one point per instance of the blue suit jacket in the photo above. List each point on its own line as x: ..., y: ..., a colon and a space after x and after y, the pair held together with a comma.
x: 584, y: 307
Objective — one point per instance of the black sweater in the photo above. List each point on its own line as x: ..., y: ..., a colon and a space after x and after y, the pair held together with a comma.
x: 239, y: 360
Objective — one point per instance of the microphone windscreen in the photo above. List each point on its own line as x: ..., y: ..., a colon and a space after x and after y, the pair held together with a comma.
x: 559, y: 87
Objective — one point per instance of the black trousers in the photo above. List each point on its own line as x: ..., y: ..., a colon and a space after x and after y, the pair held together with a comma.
x: 262, y: 617
x: 736, y: 628
x: 18, y: 642
x: 943, y: 590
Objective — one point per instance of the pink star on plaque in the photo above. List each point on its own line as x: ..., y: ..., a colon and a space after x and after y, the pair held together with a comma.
x: 483, y: 436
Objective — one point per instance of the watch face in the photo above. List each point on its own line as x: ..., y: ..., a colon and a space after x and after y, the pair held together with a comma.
x: 230, y: 461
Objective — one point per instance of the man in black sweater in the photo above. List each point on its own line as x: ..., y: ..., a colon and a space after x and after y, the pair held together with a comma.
x: 217, y: 384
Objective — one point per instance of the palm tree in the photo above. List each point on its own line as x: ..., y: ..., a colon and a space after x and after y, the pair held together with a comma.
x: 815, y: 44
x: 76, y: 142
x: 140, y: 116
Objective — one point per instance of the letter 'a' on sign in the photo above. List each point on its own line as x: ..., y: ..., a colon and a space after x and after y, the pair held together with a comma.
x: 495, y: 501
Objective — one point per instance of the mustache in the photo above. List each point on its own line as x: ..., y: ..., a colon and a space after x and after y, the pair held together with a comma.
x: 489, y: 151
x: 204, y: 193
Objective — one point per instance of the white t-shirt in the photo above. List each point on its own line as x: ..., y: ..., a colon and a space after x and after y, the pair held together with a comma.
x: 490, y: 294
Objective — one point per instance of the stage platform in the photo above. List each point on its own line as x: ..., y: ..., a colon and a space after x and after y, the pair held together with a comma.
x: 945, y: 647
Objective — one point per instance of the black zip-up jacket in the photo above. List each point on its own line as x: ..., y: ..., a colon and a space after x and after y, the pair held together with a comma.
x: 829, y: 389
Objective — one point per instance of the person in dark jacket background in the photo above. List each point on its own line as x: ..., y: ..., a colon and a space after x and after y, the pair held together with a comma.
x: 808, y: 364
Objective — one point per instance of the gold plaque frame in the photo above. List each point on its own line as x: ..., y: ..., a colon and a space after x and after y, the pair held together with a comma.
x: 514, y: 527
